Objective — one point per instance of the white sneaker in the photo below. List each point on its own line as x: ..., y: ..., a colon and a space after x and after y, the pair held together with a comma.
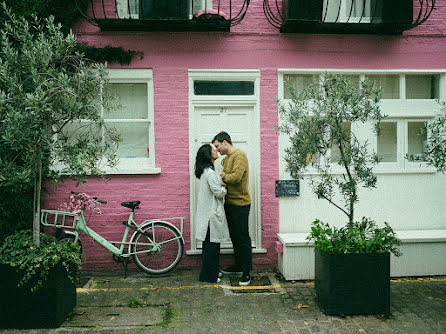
x: 245, y: 280
x: 218, y: 280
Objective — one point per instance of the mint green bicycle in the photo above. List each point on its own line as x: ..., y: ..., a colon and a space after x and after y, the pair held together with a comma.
x: 156, y: 245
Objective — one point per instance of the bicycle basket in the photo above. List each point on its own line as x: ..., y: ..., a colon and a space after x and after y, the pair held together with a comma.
x: 59, y: 218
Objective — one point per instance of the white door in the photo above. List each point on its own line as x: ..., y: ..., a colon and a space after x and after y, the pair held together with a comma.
x: 240, y: 122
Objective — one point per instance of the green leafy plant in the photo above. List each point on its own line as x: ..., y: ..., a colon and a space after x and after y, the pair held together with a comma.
x: 52, y: 102
x: 360, y: 237
x: 319, y: 122
x: 35, y: 262
x: 435, y: 151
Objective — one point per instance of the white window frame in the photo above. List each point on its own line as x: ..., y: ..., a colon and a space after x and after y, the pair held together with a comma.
x: 401, y: 110
x: 136, y: 165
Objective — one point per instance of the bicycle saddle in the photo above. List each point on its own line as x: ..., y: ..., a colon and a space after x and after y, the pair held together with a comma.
x: 131, y: 205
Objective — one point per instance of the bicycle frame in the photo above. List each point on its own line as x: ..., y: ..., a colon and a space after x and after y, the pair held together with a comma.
x: 79, y: 224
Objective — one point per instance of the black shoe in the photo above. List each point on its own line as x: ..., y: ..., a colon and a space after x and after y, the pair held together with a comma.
x: 245, y: 280
x: 232, y: 270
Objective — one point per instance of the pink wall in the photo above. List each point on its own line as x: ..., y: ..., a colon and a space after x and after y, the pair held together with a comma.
x: 254, y: 44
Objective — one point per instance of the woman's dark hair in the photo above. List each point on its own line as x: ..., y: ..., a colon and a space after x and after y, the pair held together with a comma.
x: 203, y: 160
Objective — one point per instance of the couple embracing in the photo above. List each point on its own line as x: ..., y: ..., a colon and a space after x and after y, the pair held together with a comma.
x: 223, y: 208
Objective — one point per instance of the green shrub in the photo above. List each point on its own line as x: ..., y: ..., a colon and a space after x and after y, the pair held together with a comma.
x: 35, y: 262
x: 360, y: 237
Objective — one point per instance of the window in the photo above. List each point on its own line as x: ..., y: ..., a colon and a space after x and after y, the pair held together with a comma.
x: 126, y: 9
x: 346, y: 11
x: 389, y: 84
x: 416, y: 138
x: 422, y: 86
x: 410, y: 100
x: 399, y: 139
x: 156, y: 9
x: 133, y: 120
x: 387, y: 145
x: 204, y: 87
x: 300, y: 81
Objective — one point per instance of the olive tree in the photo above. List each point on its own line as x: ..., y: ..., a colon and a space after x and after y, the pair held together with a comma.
x: 318, y: 122
x: 435, y: 154
x: 51, y: 106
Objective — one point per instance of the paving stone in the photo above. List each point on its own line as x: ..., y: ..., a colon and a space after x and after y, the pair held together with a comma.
x: 178, y: 303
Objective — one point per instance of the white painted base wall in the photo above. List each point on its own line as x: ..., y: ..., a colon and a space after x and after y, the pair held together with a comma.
x: 424, y: 254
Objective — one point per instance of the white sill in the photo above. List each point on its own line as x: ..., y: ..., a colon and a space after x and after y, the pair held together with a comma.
x: 132, y: 171
x: 412, y: 168
x: 135, y: 166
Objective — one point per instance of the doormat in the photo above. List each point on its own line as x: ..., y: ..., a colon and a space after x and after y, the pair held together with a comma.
x: 259, y: 284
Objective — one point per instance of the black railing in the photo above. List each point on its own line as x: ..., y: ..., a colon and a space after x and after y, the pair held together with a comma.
x: 347, y: 16
x: 164, y: 15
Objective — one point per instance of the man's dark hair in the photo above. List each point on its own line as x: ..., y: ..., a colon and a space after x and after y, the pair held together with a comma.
x: 222, y: 136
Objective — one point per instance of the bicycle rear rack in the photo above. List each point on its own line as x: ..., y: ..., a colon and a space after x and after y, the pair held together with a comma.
x: 59, y: 219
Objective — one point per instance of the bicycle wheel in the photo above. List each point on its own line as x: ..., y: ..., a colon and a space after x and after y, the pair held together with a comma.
x: 158, y: 249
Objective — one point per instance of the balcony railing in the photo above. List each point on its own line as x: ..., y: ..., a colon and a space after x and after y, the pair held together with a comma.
x: 347, y: 16
x: 164, y: 15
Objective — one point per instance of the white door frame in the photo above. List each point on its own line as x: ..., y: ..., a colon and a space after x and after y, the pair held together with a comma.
x: 232, y: 100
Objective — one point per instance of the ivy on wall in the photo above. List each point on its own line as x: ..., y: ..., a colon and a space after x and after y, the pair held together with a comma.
x: 67, y: 13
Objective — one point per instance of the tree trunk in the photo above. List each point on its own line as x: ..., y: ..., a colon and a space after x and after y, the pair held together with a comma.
x: 36, y: 210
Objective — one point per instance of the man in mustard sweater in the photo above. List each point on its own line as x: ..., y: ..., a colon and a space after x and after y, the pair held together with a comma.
x: 237, y: 205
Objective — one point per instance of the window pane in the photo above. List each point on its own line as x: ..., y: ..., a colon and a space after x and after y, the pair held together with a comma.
x: 78, y: 130
x: 422, y: 86
x: 300, y: 81
x: 359, y: 8
x: 335, y: 152
x: 353, y: 78
x: 417, y: 139
x: 132, y: 99
x: 201, y: 4
x: 387, y: 142
x: 123, y: 6
x: 223, y: 87
x: 390, y: 85
x: 135, y: 139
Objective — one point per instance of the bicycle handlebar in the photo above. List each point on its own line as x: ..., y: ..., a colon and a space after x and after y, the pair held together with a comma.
x: 94, y: 198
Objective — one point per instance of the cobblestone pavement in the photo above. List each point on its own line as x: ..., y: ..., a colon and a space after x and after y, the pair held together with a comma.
x: 178, y: 303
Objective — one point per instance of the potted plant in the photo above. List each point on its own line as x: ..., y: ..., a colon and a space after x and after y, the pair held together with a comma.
x: 352, y: 263
x: 37, y: 282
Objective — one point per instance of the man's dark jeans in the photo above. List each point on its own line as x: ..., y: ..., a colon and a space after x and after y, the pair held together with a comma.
x: 238, y: 218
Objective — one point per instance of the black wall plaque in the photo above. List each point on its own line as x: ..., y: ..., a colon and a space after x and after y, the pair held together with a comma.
x: 287, y: 188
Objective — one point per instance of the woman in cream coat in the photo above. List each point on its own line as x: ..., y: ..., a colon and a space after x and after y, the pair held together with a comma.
x: 210, y: 222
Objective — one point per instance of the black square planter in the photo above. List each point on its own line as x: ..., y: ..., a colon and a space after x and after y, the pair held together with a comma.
x: 48, y: 307
x: 353, y: 283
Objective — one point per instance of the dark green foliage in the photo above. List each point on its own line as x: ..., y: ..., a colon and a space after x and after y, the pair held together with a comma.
x: 360, y: 237
x: 35, y: 262
x: 51, y: 105
x: 108, y: 53
x: 65, y: 12
x: 16, y: 209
